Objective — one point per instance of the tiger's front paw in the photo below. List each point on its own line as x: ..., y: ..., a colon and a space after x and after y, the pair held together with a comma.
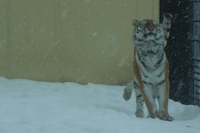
x: 139, y: 113
x: 127, y: 94
x: 166, y: 118
x: 153, y: 115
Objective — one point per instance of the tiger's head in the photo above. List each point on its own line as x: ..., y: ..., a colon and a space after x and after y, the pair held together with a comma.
x: 147, y: 30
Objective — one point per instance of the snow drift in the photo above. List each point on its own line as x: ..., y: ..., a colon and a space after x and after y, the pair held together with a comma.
x: 41, y: 107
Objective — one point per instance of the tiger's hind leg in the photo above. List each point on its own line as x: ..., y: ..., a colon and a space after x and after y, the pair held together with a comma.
x: 163, y: 92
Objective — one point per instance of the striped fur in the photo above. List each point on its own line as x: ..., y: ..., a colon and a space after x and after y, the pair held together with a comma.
x: 150, y: 67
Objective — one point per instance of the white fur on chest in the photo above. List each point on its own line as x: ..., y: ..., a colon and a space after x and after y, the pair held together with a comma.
x: 154, y: 77
x: 150, y: 53
x: 151, y: 61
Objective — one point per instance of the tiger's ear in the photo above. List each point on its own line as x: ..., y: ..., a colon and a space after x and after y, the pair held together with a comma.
x: 135, y: 22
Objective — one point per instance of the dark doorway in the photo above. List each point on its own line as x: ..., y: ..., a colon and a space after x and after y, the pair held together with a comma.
x: 183, y: 49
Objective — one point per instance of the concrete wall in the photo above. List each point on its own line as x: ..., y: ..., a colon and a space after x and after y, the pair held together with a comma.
x: 70, y: 40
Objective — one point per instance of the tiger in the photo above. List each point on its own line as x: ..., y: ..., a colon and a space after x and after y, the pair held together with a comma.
x: 151, y: 68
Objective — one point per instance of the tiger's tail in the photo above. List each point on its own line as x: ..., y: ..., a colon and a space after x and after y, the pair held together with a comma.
x: 128, y: 90
x: 167, y: 17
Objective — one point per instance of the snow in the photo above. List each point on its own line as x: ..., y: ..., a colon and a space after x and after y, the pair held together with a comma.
x: 43, y: 107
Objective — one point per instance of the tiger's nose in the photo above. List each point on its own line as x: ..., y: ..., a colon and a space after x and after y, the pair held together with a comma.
x: 150, y: 29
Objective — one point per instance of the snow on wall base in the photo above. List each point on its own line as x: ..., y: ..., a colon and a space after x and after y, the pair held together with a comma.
x: 45, y: 107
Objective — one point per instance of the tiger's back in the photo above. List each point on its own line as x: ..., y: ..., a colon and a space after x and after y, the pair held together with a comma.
x: 150, y: 67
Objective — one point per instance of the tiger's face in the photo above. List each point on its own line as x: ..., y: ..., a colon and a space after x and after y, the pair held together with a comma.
x: 147, y: 30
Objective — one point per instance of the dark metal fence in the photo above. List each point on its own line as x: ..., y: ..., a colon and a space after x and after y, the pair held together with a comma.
x: 183, y: 49
x: 194, y: 39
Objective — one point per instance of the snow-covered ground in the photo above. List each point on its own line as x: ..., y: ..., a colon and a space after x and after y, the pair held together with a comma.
x: 41, y: 107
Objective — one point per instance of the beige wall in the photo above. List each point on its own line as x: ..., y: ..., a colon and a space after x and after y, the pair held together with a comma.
x: 70, y: 40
